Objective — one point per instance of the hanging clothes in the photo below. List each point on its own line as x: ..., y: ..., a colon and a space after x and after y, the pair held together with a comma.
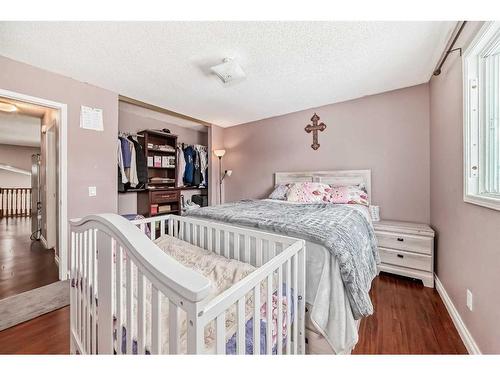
x: 141, y: 164
x: 197, y: 176
x: 203, y: 161
x: 126, y: 155
x: 181, y: 166
x: 121, y: 167
x: 189, y: 156
x: 132, y: 171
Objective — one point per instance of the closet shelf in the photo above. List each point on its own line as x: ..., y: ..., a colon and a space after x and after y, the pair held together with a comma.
x: 161, y: 151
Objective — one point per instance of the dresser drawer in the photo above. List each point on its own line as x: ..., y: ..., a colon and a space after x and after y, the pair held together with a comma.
x: 164, y: 196
x: 408, y: 242
x: 406, y: 259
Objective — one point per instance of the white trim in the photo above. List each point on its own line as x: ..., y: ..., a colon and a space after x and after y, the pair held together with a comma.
x: 44, y: 241
x: 56, y: 258
x: 472, y: 118
x: 464, y: 333
x: 63, y: 171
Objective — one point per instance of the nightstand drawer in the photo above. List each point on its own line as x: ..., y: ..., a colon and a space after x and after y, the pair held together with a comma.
x: 405, y: 259
x: 164, y: 196
x: 408, y: 242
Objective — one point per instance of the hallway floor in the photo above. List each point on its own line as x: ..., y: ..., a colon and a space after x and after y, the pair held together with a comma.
x: 24, y: 264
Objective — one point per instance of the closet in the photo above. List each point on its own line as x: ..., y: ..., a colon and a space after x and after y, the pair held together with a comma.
x: 171, y: 163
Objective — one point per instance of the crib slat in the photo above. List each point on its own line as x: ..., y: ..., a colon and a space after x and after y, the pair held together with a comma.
x: 188, y: 237
x: 202, y: 236
x: 130, y: 304
x: 226, y: 243
x: 142, y: 226
x: 162, y: 227
x: 295, y: 303
x: 269, y: 316
x: 272, y: 251
x: 241, y: 347
x: 237, y: 249
x: 175, y: 224
x: 152, y: 230
x: 279, y: 327
x: 256, y: 320
x: 217, y: 241
x: 119, y: 297
x: 209, y: 238
x: 80, y: 290
x: 288, y: 280
x: 141, y: 313
x: 73, y: 276
x: 246, y: 259
x: 155, y: 321
x: 87, y: 291
x: 258, y: 252
x: 220, y: 323
x: 94, y: 293
x: 195, y: 234
x: 93, y: 283
x: 170, y: 227
x: 173, y: 328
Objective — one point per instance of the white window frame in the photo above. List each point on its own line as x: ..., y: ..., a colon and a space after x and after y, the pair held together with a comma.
x: 486, y: 39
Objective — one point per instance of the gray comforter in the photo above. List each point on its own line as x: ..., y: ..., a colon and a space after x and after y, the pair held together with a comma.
x: 346, y: 233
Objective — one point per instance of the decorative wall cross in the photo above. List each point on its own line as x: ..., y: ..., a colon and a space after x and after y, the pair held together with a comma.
x: 314, y: 129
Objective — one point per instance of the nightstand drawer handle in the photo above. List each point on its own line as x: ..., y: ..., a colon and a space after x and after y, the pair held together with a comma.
x: 400, y: 239
x: 400, y: 256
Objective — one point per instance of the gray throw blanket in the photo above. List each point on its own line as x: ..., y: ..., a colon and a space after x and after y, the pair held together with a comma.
x: 343, y: 231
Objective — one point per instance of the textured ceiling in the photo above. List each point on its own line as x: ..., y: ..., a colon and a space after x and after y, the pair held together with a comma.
x: 290, y: 66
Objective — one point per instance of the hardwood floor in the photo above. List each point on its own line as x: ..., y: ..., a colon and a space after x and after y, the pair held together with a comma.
x: 408, y: 319
x: 24, y: 264
x: 47, y: 334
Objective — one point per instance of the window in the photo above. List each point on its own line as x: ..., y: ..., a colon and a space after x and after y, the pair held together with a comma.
x: 481, y: 118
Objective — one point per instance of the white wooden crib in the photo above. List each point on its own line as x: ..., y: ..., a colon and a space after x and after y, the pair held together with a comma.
x: 108, y: 251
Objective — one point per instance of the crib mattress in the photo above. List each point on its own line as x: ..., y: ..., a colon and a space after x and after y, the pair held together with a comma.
x: 223, y: 273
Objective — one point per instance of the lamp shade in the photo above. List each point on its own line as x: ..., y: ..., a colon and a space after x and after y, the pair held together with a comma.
x: 219, y: 153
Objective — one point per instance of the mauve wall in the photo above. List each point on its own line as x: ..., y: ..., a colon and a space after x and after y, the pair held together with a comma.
x: 387, y: 133
x: 468, y: 242
x: 19, y: 157
x: 91, y: 154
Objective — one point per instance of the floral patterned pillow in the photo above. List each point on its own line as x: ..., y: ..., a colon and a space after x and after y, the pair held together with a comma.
x: 280, y: 192
x: 353, y: 194
x: 308, y: 192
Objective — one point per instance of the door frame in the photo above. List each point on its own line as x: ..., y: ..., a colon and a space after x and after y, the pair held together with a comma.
x: 62, y: 140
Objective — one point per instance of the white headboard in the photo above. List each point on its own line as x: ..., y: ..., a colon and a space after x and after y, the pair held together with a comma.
x: 341, y: 178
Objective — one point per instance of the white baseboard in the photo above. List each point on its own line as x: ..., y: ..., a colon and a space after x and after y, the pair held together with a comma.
x: 44, y: 242
x: 464, y: 333
x: 56, y: 258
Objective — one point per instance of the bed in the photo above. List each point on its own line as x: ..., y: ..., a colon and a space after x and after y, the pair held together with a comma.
x: 177, y: 285
x: 332, y: 319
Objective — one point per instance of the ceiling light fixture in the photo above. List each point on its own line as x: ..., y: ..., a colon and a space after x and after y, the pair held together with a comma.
x: 7, y: 107
x: 228, y: 71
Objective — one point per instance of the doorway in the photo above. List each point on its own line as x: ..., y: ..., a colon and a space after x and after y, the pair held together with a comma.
x: 33, y: 213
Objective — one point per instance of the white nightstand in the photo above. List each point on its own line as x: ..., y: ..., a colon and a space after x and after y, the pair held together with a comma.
x: 406, y: 249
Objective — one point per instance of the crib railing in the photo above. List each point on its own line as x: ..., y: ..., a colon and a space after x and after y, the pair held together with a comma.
x: 15, y: 202
x: 115, y: 266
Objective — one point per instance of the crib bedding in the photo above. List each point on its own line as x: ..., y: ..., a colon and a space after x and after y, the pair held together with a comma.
x: 329, y: 307
x: 222, y: 273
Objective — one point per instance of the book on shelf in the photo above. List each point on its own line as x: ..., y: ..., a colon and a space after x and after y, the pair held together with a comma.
x: 164, y: 208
